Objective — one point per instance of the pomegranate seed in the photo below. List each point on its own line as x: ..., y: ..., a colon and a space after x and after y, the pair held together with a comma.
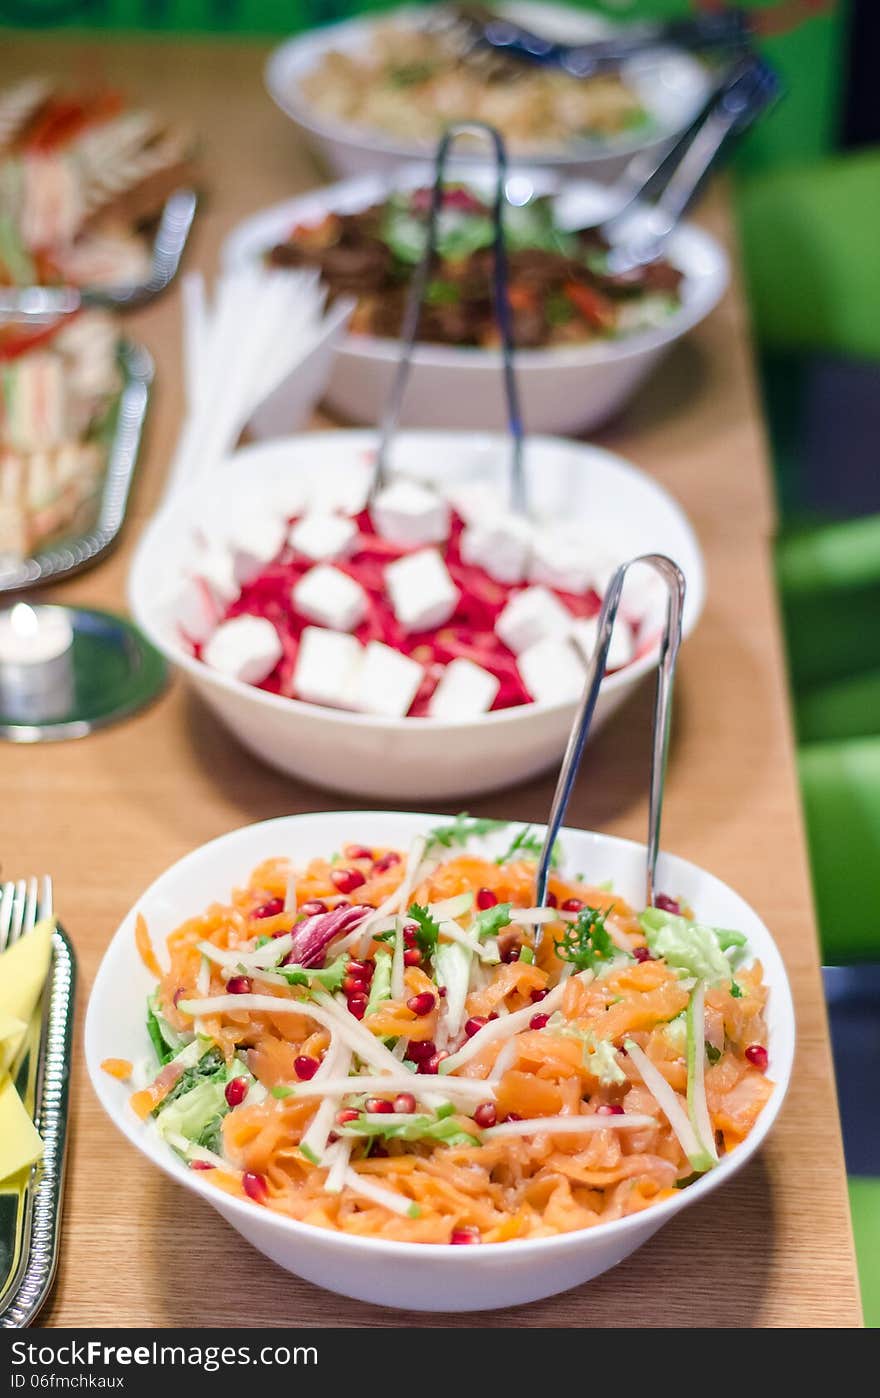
x: 474, y: 1025
x: 421, y: 1004
x: 200, y: 1165
x: 513, y: 1116
x: 236, y: 1091
x: 464, y: 1235
x: 552, y: 901
x: 359, y: 969
x: 493, y: 1015
x: 432, y: 1064
x: 357, y: 1005
x: 486, y: 898
x: 255, y: 1186
x: 332, y: 1138
x: 510, y: 954
x: 441, y: 991
x: 409, y: 937
x: 404, y: 1102
x: 238, y: 985
x: 358, y: 852
x: 420, y: 1049
x: 347, y: 880
x: 347, y: 1114
x: 610, y: 1109
x: 642, y: 954
x: 668, y: 905
x: 272, y: 908
x: 305, y: 1067
x: 386, y: 862
x: 412, y: 957
x: 537, y: 995
x: 758, y: 1056
x: 312, y: 908
x: 379, y: 1104
x: 353, y: 985
x: 572, y: 905
x: 486, y: 1115
x: 538, y: 1021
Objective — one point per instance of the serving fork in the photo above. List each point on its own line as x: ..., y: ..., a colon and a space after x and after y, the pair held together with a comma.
x: 23, y: 904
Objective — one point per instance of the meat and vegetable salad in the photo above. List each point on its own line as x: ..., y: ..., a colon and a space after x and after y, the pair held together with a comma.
x: 410, y: 83
x: 561, y: 290
x: 82, y: 178
x: 380, y: 1043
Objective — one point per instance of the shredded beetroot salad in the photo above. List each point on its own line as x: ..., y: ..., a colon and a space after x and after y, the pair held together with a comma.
x: 468, y: 634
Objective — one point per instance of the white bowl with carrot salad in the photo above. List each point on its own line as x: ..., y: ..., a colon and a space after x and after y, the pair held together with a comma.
x: 355, y: 1035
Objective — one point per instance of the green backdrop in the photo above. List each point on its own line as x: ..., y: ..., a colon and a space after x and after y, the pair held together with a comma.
x: 810, y: 57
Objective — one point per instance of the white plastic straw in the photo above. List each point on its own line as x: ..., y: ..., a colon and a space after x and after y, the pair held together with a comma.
x: 262, y: 328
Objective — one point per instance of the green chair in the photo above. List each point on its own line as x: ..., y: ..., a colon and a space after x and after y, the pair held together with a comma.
x: 864, y: 1199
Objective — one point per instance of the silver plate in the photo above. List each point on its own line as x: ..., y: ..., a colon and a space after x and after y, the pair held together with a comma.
x: 37, y: 305
x: 37, y: 1221
x: 78, y: 551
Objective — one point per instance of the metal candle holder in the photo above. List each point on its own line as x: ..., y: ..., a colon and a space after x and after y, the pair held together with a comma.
x: 416, y: 296
x: 675, y: 584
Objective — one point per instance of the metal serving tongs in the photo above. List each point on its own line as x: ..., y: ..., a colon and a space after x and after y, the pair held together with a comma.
x: 675, y: 583
x: 416, y: 296
x: 40, y: 305
x: 485, y: 36
x: 748, y: 87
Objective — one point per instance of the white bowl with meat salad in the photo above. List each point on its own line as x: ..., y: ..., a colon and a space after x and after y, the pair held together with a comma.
x: 586, y: 339
x: 356, y: 1037
x: 375, y: 91
x: 431, y: 642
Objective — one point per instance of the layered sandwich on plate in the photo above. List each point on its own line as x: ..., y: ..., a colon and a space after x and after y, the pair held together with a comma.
x: 83, y: 177
x: 59, y: 390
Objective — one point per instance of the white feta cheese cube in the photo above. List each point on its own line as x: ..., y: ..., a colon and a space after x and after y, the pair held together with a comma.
x: 323, y: 537
x: 213, y: 566
x: 475, y: 501
x: 465, y: 691
x: 422, y: 593
x: 247, y: 648
x: 207, y: 591
x: 409, y: 514
x: 291, y: 493
x: 620, y: 652
x: 560, y: 560
x: 386, y: 683
x: 342, y: 487
x: 255, y: 540
x: 330, y: 597
x: 501, y: 545
x: 326, y: 667
x: 530, y: 616
x: 551, y: 671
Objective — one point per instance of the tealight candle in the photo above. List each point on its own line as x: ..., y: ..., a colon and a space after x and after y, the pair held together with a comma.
x: 36, y: 663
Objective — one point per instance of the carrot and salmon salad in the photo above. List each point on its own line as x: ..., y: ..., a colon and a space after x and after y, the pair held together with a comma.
x: 400, y: 1044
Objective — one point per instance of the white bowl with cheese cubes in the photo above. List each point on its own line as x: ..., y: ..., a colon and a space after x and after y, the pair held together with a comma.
x: 563, y: 388
x: 429, y: 640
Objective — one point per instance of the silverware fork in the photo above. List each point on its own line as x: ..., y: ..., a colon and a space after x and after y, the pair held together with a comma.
x: 23, y: 904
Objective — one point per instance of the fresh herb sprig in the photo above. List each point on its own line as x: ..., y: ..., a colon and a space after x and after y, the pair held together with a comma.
x: 587, y: 941
x: 461, y: 831
x: 525, y: 843
x: 427, y: 928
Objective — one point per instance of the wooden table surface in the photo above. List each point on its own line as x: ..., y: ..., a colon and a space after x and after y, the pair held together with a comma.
x: 106, y: 815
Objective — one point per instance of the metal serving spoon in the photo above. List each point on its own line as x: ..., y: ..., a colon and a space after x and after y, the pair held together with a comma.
x: 416, y: 296
x: 675, y: 583
x: 484, y: 35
